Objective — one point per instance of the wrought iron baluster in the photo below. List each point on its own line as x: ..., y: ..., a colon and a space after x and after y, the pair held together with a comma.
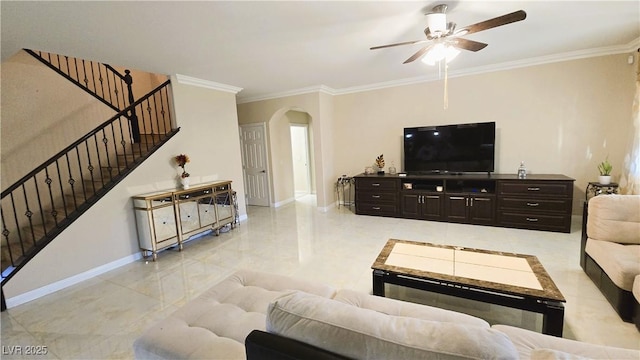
x: 17, y: 222
x: 28, y: 213
x: 109, y: 86
x: 64, y: 201
x: 101, y: 79
x: 115, y: 148
x: 144, y: 129
x: 84, y: 188
x: 106, y: 149
x: 164, y: 95
x: 93, y: 78
x: 156, y: 116
x: 40, y: 208
x: 5, y: 235
x: 124, y: 145
x: 49, y: 181
x: 75, y: 64
x: 90, y: 167
x: 84, y: 72
x: 71, y: 181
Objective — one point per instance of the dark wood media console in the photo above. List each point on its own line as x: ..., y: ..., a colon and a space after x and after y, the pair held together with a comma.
x: 539, y: 202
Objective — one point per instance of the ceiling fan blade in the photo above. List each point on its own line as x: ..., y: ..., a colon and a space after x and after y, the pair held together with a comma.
x: 420, y: 53
x: 467, y: 44
x: 495, y: 22
x: 398, y: 44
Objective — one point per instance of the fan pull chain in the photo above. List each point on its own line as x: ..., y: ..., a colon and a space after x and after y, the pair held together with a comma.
x: 446, y: 86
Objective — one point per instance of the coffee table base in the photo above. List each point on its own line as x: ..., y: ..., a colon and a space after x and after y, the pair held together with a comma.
x: 552, y: 311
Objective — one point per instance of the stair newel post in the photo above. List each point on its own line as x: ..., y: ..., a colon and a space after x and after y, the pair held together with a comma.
x: 133, y: 118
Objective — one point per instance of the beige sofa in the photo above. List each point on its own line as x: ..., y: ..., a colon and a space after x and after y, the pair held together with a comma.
x: 610, y: 252
x: 336, y: 324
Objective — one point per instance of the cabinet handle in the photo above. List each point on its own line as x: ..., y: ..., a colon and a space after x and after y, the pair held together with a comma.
x: 375, y: 196
x: 456, y: 198
x: 375, y: 184
x: 532, y: 220
x: 467, y: 201
x: 471, y: 201
x: 376, y: 208
x: 432, y: 197
x: 533, y: 189
x: 532, y: 204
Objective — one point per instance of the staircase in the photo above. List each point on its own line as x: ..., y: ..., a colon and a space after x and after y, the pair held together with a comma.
x: 39, y: 206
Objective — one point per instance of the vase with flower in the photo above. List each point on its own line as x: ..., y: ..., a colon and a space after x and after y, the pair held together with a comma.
x: 182, y: 160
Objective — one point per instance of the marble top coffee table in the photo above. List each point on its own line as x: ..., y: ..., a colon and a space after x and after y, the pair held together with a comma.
x: 514, y: 280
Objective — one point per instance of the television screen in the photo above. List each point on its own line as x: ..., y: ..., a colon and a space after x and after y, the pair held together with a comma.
x: 450, y: 148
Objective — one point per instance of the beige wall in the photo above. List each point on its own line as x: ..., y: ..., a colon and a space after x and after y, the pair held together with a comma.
x: 41, y: 114
x: 107, y: 232
x: 273, y: 113
x: 562, y: 117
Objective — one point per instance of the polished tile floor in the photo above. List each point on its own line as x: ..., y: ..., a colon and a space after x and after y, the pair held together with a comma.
x: 101, y: 317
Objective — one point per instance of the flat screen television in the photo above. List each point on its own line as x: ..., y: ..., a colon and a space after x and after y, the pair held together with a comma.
x: 450, y: 148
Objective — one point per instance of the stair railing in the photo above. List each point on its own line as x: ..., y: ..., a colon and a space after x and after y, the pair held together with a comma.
x: 100, y: 80
x: 44, y: 202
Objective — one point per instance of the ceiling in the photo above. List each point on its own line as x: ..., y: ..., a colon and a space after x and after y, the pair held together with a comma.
x: 274, y: 48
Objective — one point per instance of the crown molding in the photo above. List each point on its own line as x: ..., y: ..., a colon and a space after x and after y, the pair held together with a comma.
x: 307, y: 90
x: 188, y: 80
x: 632, y: 46
x: 568, y: 56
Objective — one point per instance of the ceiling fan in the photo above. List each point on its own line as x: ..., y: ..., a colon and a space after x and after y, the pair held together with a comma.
x: 445, y: 40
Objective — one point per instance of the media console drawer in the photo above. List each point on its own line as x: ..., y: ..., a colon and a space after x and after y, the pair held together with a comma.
x: 535, y: 188
x: 535, y: 221
x: 377, y: 183
x: 534, y: 204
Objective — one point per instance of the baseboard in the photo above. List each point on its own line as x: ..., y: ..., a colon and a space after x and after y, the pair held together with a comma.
x: 64, y: 283
x: 285, y: 202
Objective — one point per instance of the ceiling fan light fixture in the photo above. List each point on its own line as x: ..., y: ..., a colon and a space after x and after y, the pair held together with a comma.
x: 440, y: 52
x: 451, y: 53
x: 437, y: 23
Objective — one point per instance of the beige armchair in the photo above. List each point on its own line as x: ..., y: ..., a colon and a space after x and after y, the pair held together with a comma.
x: 610, y: 250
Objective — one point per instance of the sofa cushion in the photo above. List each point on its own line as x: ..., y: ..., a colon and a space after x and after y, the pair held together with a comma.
x: 527, y: 342
x: 215, y: 324
x: 614, y: 218
x: 636, y: 288
x: 367, y: 334
x: 402, y: 308
x: 548, y: 354
x: 620, y: 262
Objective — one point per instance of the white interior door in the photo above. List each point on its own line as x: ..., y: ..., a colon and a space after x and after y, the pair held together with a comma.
x: 254, y: 163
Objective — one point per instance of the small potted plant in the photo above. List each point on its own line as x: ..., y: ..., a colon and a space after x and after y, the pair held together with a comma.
x: 182, y: 160
x: 380, y: 164
x: 605, y: 172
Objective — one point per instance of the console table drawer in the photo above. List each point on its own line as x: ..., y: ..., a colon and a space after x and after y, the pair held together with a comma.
x: 377, y: 184
x: 535, y: 204
x: 376, y: 197
x: 535, y: 221
x: 376, y: 209
x: 536, y: 188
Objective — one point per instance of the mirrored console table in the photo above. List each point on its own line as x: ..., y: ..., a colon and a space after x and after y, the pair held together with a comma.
x: 170, y: 217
